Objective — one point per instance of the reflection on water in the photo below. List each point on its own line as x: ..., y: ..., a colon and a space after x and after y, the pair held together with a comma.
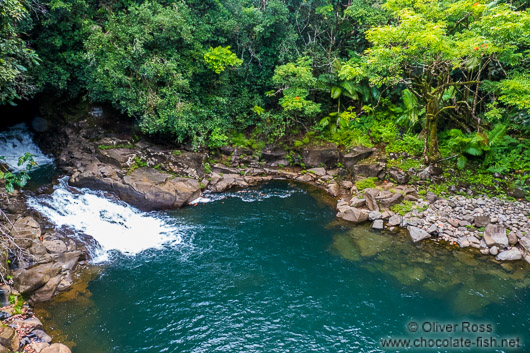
x: 471, y: 281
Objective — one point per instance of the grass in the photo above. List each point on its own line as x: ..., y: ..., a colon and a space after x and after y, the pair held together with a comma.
x: 403, y: 208
x: 112, y: 147
x: 365, y: 183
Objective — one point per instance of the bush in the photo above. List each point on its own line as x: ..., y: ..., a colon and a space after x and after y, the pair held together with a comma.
x: 365, y: 183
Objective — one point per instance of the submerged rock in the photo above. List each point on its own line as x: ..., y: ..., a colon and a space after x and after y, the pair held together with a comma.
x: 352, y: 214
x: 510, y: 255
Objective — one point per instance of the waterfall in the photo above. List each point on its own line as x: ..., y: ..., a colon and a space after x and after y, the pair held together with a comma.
x: 16, y: 141
x: 115, y: 225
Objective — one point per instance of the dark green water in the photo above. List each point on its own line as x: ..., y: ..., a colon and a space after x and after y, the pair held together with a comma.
x: 281, y: 275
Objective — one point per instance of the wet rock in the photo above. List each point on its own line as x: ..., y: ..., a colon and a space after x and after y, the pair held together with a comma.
x: 9, y: 338
x: 378, y: 224
x: 510, y: 255
x: 320, y: 156
x: 417, y: 234
x: 495, y: 234
x: 481, y: 221
x: 29, y: 279
x: 356, y: 155
x: 354, y: 215
x: 398, y: 175
x: 333, y: 189
x: 46, y: 292
x: 368, y: 170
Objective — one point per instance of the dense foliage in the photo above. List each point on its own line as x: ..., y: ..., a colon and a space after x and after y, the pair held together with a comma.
x: 445, y: 79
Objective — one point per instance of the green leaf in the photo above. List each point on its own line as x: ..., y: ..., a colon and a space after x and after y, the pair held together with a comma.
x: 336, y: 92
x: 461, y: 162
x: 10, y: 187
x: 474, y: 151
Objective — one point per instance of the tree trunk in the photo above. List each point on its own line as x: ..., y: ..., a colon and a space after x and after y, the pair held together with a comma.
x: 431, y: 152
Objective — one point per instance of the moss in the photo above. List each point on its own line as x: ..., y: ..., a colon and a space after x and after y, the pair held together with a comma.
x: 403, y: 208
x: 138, y: 163
x: 365, y: 183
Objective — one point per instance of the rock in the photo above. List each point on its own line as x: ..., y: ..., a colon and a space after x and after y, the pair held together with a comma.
x: 495, y: 234
x: 151, y: 189
x: 26, y: 227
x: 31, y: 278
x: 431, y: 197
x: 378, y: 224
x: 54, y: 245
x: 369, y: 196
x: 9, y: 338
x: 357, y: 202
x: 525, y: 242
x: 317, y: 171
x: 373, y: 215
x: 481, y: 221
x: 352, y: 214
x: 119, y: 157
x: 453, y: 222
x: 306, y: 178
x: 333, y: 189
x: 390, y: 200
x: 320, y: 156
x: 433, y: 229
x: 417, y: 234
x: 273, y: 155
x: 46, y: 292
x: 494, y: 250
x: 510, y: 255
x: 398, y: 175
x: 56, y: 348
x: 512, y: 238
x: 38, y: 346
x: 395, y: 220
x: 368, y: 170
x: 356, y: 155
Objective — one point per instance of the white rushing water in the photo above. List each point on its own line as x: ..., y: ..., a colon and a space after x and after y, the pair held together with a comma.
x: 16, y: 141
x: 113, y: 224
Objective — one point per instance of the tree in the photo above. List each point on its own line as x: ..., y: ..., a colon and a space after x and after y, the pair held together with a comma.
x: 15, y: 56
x: 442, y: 51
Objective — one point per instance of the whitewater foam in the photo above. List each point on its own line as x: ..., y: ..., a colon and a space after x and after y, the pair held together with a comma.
x: 16, y: 141
x: 113, y: 224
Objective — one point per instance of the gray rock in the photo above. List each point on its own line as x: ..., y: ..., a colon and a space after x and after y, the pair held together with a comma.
x: 431, y: 197
x: 333, y: 189
x: 317, y: 171
x: 399, y: 175
x: 373, y: 215
x: 56, y: 348
x: 510, y: 255
x: 495, y: 234
x: 29, y: 279
x: 354, y: 215
x: 9, y: 338
x: 26, y: 227
x: 481, y: 221
x: 368, y: 170
x: 369, y: 196
x: 417, y: 234
x: 357, y: 202
x: 391, y: 200
x: 494, y: 250
x: 394, y: 220
x: 378, y: 224
x: 525, y: 242
x: 433, y: 229
x: 320, y: 156
x: 356, y: 155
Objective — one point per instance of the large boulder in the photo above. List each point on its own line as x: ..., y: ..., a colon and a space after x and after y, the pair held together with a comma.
x: 46, y: 292
x: 320, y: 156
x: 352, y: 214
x: 356, y: 155
x: 151, y: 189
x: 368, y: 170
x: 118, y: 157
x: 417, y: 234
x: 29, y: 279
x: 495, y: 234
x: 510, y: 255
x: 370, y: 197
x: 389, y: 200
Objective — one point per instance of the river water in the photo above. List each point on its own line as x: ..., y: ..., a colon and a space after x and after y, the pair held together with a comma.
x: 270, y: 270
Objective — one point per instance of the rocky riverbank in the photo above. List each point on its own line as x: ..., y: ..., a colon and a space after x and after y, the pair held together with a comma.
x: 153, y: 176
